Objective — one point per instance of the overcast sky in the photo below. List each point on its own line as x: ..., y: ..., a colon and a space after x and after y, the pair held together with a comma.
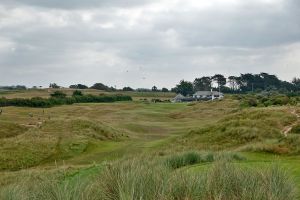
x: 141, y: 43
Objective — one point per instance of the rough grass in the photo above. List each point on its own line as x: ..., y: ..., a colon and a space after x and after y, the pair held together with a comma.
x: 296, y: 129
x: 54, y: 140
x: 141, y: 179
x: 10, y: 129
x: 247, y: 127
x: 31, y: 137
x: 151, y: 179
x: 194, y: 157
x: 81, y: 135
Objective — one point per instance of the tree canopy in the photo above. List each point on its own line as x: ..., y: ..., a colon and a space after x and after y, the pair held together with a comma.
x: 184, y: 88
x: 101, y: 86
x: 79, y: 86
x: 247, y: 82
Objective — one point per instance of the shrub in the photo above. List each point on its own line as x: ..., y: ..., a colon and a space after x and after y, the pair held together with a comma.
x: 127, y: 89
x: 252, y: 102
x: 54, y: 101
x: 77, y: 93
x: 58, y: 94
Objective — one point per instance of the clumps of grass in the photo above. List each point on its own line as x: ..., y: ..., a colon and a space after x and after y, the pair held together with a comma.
x: 144, y: 179
x: 151, y: 179
x: 49, y: 189
x: 227, y: 181
x: 133, y: 179
x: 193, y: 157
x: 184, y: 159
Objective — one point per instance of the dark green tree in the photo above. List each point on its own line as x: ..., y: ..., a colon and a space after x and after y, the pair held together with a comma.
x: 268, y: 81
x: 127, y: 89
x: 219, y: 79
x: 77, y: 93
x: 154, y: 89
x: 53, y: 85
x: 233, y: 83
x: 164, y: 89
x: 296, y: 83
x: 203, y: 83
x: 79, y: 86
x: 184, y: 88
x: 101, y: 86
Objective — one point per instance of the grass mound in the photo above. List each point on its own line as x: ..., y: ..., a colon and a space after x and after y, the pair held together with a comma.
x: 95, y: 130
x: 245, y: 127
x: 9, y: 129
x: 55, y: 140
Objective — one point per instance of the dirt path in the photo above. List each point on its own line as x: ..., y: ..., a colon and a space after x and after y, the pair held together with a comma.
x: 288, y: 128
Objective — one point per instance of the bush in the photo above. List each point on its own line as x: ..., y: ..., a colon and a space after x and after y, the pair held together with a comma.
x: 39, y: 102
x: 77, y: 93
x: 252, y: 102
x: 266, y: 99
x: 127, y: 89
x: 58, y: 94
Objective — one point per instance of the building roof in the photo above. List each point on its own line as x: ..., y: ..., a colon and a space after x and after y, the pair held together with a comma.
x: 207, y: 93
x: 179, y: 97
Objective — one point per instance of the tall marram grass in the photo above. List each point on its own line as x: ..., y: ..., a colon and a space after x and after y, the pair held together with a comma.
x: 136, y: 179
x: 193, y: 157
x: 153, y: 179
x: 51, y: 189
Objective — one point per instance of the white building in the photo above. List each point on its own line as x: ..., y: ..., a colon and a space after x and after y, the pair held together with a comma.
x: 208, y: 95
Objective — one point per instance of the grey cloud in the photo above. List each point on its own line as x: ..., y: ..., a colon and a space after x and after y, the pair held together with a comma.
x: 253, y: 25
x: 76, y: 4
x: 162, y: 46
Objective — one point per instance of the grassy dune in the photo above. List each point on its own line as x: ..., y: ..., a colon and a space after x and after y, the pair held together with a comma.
x: 78, y: 142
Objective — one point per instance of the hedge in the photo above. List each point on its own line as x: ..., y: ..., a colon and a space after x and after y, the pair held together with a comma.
x: 39, y: 102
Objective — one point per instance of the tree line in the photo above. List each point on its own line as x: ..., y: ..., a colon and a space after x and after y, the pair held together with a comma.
x: 103, y: 87
x: 238, y: 84
x: 243, y: 83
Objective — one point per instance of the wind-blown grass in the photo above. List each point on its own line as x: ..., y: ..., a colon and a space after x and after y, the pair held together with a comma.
x: 150, y: 179
x: 147, y: 179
